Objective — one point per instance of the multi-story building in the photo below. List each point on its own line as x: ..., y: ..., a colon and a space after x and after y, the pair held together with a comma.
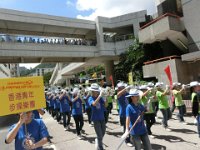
x: 42, y: 71
x: 175, y: 36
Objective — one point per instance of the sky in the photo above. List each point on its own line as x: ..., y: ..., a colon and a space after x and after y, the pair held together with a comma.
x: 82, y: 9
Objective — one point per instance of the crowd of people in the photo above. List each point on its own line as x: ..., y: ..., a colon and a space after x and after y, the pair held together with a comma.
x: 138, y: 107
x: 47, y: 40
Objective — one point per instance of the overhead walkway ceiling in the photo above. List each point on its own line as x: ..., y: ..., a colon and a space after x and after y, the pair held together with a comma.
x: 18, y: 22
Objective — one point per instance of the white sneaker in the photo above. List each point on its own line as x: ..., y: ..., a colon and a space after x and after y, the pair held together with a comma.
x: 151, y: 136
x: 65, y: 128
x: 129, y: 144
x: 167, y: 129
x: 96, y: 144
x: 79, y: 137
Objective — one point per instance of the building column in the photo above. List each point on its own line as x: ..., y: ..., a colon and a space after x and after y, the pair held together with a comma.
x: 136, y: 28
x: 109, y: 69
x: 99, y: 34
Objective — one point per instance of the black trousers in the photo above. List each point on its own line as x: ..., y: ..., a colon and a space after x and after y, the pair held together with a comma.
x: 66, y: 118
x: 79, y: 123
x: 150, y: 120
x: 89, y: 113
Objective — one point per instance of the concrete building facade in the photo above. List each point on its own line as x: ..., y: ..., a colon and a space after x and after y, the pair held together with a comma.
x: 177, y: 32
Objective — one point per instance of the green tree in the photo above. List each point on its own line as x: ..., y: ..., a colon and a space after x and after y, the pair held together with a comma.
x: 131, y: 61
x: 47, y: 77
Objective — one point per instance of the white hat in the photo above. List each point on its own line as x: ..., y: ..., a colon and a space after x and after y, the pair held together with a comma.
x: 150, y: 84
x: 194, y: 83
x: 63, y: 90
x: 159, y: 84
x: 120, y: 84
x: 143, y: 87
x: 176, y: 84
x: 75, y: 90
x: 133, y: 92
x: 94, y: 87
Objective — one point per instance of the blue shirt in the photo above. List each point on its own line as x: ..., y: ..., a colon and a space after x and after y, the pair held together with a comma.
x: 64, y: 104
x: 98, y: 110
x: 133, y: 112
x: 51, y: 101
x: 36, y: 114
x: 36, y: 131
x: 123, y: 102
x: 87, y: 105
x: 57, y: 103
x: 77, y: 107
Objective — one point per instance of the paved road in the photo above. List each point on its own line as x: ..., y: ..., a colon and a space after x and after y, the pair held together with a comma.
x: 182, y: 137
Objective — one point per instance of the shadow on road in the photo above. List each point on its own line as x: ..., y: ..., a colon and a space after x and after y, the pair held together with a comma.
x: 173, y: 139
x: 188, y: 131
x: 116, y: 134
x: 158, y: 147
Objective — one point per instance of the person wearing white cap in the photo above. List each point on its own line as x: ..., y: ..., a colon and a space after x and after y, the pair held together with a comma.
x: 146, y: 99
x: 163, y: 103
x: 133, y: 111
x: 77, y: 112
x: 97, y: 104
x: 65, y: 109
x: 195, y: 98
x: 178, y: 100
x: 152, y: 94
x: 123, y: 102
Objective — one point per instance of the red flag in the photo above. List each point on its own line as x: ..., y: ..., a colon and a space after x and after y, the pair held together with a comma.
x: 169, y: 75
x: 111, y: 79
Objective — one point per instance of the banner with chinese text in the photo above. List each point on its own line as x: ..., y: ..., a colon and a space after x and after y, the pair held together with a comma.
x: 21, y: 95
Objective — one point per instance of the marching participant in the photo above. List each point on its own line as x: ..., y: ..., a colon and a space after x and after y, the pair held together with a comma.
x: 28, y: 133
x: 163, y: 103
x: 195, y: 97
x: 177, y: 91
x: 133, y: 111
x: 77, y: 111
x: 65, y: 109
x: 149, y: 115
x: 88, y: 108
x: 123, y: 102
x: 98, y: 106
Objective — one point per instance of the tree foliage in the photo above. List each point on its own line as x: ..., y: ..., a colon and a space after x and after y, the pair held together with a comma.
x: 131, y: 61
x: 47, y: 77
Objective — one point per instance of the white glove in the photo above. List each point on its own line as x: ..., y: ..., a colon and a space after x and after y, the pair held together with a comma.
x: 128, y: 87
x: 184, y: 86
x: 125, y: 134
x: 101, y: 93
x: 167, y: 87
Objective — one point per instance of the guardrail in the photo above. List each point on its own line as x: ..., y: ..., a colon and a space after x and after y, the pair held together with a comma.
x: 162, y: 59
x: 159, y: 18
x: 45, y: 40
x: 107, y: 38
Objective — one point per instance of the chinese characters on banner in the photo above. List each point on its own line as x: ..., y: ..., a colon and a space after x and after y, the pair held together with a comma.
x: 21, y: 95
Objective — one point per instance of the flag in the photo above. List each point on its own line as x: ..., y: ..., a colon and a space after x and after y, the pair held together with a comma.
x: 169, y: 75
x: 94, y: 75
x: 111, y: 79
